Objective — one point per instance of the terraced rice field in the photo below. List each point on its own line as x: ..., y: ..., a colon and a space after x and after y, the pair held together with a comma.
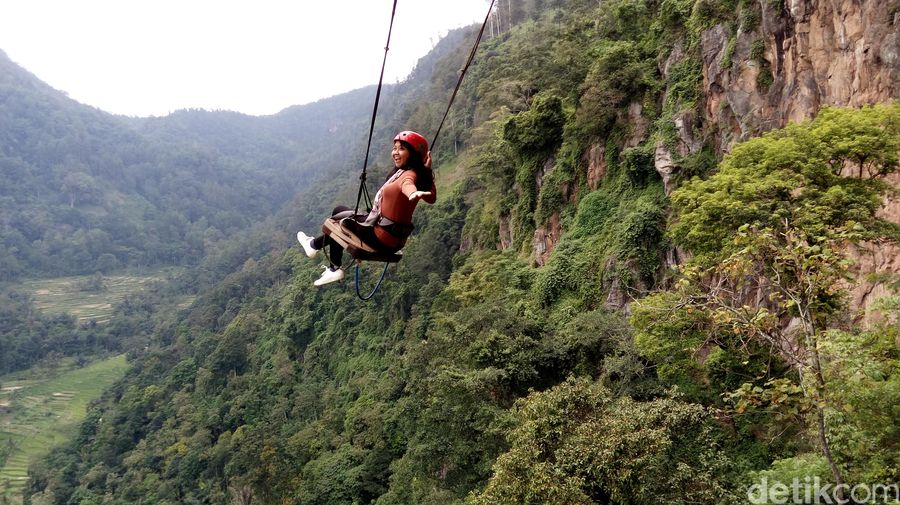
x: 39, y: 409
x: 67, y: 295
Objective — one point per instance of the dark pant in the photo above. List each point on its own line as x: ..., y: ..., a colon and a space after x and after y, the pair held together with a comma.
x: 365, y: 233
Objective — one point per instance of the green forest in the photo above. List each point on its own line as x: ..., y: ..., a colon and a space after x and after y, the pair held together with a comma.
x: 568, y: 325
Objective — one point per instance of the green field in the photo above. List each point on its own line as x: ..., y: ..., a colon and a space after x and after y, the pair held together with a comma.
x: 71, y: 295
x: 40, y: 408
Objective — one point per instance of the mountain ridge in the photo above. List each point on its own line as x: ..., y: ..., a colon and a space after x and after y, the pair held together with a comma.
x: 103, y: 165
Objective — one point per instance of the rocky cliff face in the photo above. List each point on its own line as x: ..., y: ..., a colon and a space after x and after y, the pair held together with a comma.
x: 876, y: 261
x: 804, y: 56
x: 810, y: 54
x: 798, y: 56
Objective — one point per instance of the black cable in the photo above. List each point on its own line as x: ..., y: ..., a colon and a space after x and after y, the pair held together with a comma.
x: 362, y: 176
x: 463, y: 73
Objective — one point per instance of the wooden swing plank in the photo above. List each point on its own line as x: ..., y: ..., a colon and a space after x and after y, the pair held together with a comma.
x: 358, y: 249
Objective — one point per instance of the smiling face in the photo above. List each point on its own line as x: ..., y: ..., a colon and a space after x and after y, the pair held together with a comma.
x: 400, y: 153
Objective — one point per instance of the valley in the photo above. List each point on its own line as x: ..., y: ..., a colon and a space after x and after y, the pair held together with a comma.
x: 90, y: 298
x: 42, y: 407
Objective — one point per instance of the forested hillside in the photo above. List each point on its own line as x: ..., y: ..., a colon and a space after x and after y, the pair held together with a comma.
x: 638, y: 286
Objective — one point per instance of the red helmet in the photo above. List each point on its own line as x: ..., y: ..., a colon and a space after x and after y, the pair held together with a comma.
x: 414, y: 139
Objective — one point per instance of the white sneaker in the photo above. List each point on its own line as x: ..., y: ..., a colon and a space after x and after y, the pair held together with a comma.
x: 306, y: 242
x: 329, y: 275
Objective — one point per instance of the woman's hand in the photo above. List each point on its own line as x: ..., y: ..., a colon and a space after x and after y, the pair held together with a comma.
x: 418, y: 195
x: 427, y: 162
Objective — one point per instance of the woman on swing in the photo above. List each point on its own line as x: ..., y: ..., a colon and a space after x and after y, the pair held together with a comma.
x: 387, y: 226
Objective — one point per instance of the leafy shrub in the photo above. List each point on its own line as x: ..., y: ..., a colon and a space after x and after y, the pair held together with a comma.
x: 620, y: 73
x: 683, y: 84
x: 728, y: 55
x: 639, y: 164
x: 558, y: 276
x: 697, y: 164
x: 749, y: 17
x: 673, y: 13
x: 533, y: 136
x: 641, y: 236
x: 864, y: 384
x: 538, y: 130
x: 566, y: 172
x: 577, y: 444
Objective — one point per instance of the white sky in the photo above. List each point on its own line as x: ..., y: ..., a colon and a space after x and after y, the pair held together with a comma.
x: 143, y: 58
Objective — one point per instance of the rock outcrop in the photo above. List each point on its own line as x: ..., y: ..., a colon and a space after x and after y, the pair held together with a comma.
x: 595, y: 160
x: 838, y: 52
x: 819, y: 53
x: 545, y: 239
x: 798, y: 56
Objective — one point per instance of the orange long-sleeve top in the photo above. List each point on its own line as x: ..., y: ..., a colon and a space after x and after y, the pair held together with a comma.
x: 396, y: 206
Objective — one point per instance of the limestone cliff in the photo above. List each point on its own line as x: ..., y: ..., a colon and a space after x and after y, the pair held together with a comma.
x: 770, y: 63
x: 819, y: 53
x: 837, y: 52
x: 803, y: 55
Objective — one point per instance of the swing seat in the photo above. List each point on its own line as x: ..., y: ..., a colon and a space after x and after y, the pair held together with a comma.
x: 359, y: 250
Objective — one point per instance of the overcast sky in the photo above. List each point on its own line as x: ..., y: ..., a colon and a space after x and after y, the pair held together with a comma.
x: 143, y: 58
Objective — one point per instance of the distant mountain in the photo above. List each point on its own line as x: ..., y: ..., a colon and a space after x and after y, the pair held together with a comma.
x: 84, y: 190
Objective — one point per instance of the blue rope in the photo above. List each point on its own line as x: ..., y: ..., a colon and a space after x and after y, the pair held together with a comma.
x: 378, y: 285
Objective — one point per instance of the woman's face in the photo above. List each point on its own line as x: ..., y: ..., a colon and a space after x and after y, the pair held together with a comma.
x: 400, y: 154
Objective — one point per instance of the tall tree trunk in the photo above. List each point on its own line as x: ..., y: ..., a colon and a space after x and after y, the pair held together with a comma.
x: 822, y: 425
x: 812, y: 347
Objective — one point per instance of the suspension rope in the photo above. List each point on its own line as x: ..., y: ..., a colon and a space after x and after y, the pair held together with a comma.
x: 463, y: 73
x: 363, y: 191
